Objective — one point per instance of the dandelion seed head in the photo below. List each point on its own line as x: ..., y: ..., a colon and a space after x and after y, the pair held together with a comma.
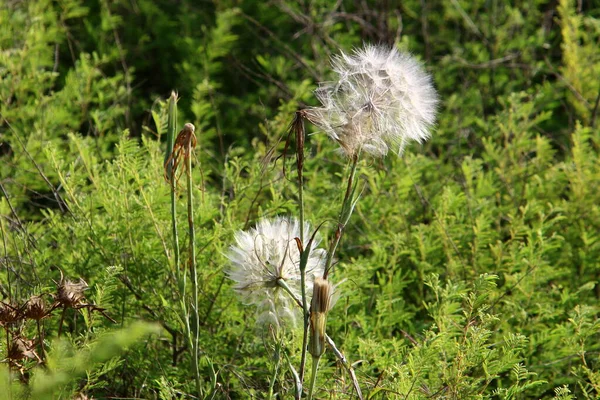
x: 382, y: 99
x: 266, y: 254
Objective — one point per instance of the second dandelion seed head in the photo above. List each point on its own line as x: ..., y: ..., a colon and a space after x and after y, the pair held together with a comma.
x: 381, y: 100
x: 264, y: 260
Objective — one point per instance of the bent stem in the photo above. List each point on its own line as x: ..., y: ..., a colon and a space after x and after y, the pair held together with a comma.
x: 346, y: 365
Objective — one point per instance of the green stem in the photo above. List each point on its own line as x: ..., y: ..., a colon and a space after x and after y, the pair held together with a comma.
x: 41, y: 339
x: 274, y: 378
x: 305, y: 312
x: 170, y: 174
x: 62, y: 320
x: 282, y: 284
x: 171, y: 133
x: 9, y: 375
x: 193, y: 271
x: 347, y: 209
x: 340, y: 356
x: 298, y: 128
x: 313, y: 376
x: 174, y: 225
x: 4, y: 241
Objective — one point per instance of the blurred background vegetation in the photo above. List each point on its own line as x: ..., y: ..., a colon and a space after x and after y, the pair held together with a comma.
x: 472, y: 262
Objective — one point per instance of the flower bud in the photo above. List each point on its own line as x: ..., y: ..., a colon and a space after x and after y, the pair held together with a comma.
x: 319, y: 308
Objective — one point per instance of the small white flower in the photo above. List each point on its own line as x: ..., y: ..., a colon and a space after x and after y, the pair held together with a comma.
x: 381, y: 99
x: 266, y: 255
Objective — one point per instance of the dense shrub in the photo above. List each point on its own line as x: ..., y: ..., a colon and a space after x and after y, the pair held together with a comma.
x: 470, y: 263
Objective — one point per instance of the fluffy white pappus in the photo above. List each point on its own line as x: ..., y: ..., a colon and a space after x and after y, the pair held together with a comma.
x: 266, y: 254
x: 382, y: 99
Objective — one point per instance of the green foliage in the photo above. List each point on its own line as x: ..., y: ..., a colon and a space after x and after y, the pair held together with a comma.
x: 470, y: 264
x: 581, y: 35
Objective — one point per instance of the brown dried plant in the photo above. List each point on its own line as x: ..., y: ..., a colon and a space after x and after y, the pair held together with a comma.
x: 20, y: 349
x: 71, y: 295
x: 10, y: 314
x: 182, y: 150
x: 36, y: 308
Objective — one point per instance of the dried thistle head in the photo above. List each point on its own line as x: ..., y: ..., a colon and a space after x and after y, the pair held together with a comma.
x: 182, y: 151
x: 36, y: 308
x: 70, y: 294
x: 9, y: 314
x: 21, y: 348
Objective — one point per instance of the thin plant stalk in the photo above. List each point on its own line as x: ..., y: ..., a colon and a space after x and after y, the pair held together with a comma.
x: 347, y: 208
x: 170, y: 175
x: 346, y: 365
x: 9, y: 375
x: 313, y: 376
x: 181, y: 156
x: 340, y: 356
x: 62, y: 320
x: 297, y: 127
x: 193, y: 270
x: 6, y: 258
x: 169, y: 161
x: 275, y: 372
x: 40, y: 333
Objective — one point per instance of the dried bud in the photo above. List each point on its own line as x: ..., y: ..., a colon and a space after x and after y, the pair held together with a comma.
x: 35, y: 308
x: 9, y: 314
x: 182, y: 150
x: 319, y: 308
x: 70, y: 294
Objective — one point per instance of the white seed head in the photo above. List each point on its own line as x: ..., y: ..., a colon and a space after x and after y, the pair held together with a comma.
x: 381, y: 99
x: 266, y: 254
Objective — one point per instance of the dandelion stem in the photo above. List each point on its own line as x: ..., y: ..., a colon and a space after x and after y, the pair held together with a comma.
x: 171, y: 133
x: 313, y: 376
x: 275, y: 372
x: 330, y: 342
x: 193, y: 271
x: 346, y: 212
x: 174, y: 224
x: 305, y: 313
x: 170, y: 175
x: 298, y: 128
x: 282, y: 284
